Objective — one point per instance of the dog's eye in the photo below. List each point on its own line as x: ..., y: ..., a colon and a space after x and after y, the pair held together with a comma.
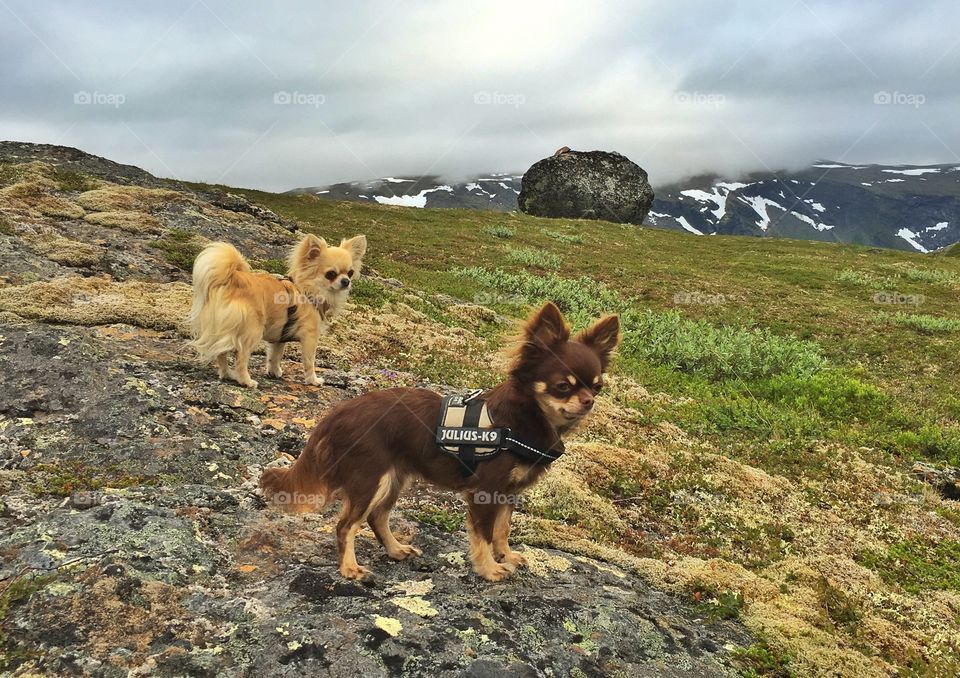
x: 350, y: 272
x: 563, y: 386
x: 331, y: 275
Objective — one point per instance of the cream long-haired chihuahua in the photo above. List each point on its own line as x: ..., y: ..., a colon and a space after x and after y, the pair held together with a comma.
x: 234, y: 308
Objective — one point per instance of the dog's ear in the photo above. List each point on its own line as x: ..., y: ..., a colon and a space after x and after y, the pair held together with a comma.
x: 546, y: 328
x: 311, y: 247
x: 357, y: 246
x: 603, y: 336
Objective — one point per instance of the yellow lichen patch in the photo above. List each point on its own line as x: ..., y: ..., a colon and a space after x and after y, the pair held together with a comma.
x: 62, y: 250
x: 541, y: 563
x: 455, y: 558
x: 132, y: 222
x: 416, y: 605
x: 101, y: 301
x: 392, y: 626
x: 413, y: 587
x: 115, y: 198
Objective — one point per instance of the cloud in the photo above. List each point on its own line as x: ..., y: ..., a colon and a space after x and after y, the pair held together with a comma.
x: 304, y: 93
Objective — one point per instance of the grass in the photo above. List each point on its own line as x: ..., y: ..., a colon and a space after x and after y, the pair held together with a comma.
x: 276, y: 266
x: 500, y: 231
x: 927, y: 324
x: 574, y: 238
x: 918, y: 566
x: 536, y: 258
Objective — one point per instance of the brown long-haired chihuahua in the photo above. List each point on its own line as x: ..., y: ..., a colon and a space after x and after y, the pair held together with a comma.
x: 234, y: 308
x: 368, y: 449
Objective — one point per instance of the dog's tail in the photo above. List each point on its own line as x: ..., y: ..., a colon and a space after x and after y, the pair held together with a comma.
x: 305, y: 486
x: 216, y: 317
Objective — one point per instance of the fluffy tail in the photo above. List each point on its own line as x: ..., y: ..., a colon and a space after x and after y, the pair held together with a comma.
x: 217, y: 317
x: 305, y: 486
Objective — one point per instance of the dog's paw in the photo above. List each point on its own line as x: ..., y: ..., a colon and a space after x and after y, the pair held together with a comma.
x: 355, y: 572
x: 497, y: 571
x: 405, y: 551
x: 276, y: 374
x: 314, y: 380
x: 248, y: 383
x: 514, y: 558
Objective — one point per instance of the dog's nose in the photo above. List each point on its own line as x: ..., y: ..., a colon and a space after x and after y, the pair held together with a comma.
x: 345, y: 282
x: 586, y: 401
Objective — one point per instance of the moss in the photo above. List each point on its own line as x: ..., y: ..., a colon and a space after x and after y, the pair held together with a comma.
x: 275, y: 266
x: 63, y: 250
x: 68, y: 180
x: 179, y: 250
x: 15, y: 593
x: 132, y: 222
x: 114, y: 198
x: 6, y: 226
x: 62, y: 479
x: 99, y: 301
x: 759, y: 660
x: 441, y: 518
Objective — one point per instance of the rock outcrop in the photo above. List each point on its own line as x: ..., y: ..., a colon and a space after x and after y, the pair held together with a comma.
x: 586, y: 185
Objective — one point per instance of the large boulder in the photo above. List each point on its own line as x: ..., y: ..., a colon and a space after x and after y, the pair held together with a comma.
x: 586, y: 185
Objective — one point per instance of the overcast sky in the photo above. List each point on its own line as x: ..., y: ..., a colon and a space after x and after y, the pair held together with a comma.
x: 286, y: 94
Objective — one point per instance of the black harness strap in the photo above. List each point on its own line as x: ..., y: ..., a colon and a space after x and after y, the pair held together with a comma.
x: 466, y: 432
x: 286, y: 334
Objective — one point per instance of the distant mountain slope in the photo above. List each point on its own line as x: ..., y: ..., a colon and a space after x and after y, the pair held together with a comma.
x: 495, y: 191
x: 903, y: 207
x: 898, y: 206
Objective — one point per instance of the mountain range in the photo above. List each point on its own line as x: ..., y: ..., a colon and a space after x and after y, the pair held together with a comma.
x: 907, y: 207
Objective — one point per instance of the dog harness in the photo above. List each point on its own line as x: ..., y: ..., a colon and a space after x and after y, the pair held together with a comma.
x: 467, y: 432
x: 286, y: 333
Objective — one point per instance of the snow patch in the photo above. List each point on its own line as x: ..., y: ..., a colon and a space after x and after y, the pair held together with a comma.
x: 321, y: 192
x: 418, y: 200
x: 815, y: 205
x: 833, y: 166
x: 913, y: 172
x: 687, y: 227
x: 396, y: 181
x: 911, y: 238
x: 939, y: 227
x: 894, y: 181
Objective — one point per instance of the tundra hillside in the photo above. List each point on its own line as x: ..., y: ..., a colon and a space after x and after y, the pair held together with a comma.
x: 767, y: 485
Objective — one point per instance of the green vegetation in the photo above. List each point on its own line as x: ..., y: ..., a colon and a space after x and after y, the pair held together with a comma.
x: 68, y: 180
x: 537, y: 258
x: 276, y: 266
x: 758, y: 661
x: 937, y: 276
x: 13, y: 593
x: 574, y: 238
x: 919, y: 566
x: 715, y: 603
x: 6, y: 226
x: 441, y: 518
x: 64, y: 478
x: 500, y: 231
x: 922, y: 323
x: 179, y: 247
